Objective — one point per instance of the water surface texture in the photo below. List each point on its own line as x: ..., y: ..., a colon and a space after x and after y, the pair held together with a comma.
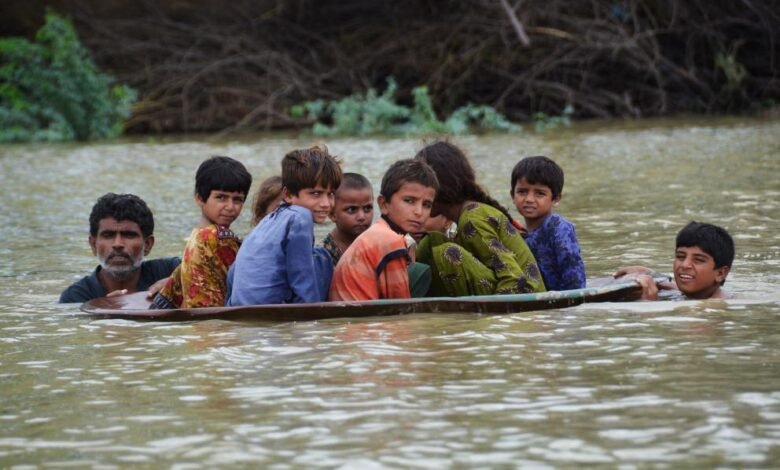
x: 653, y: 384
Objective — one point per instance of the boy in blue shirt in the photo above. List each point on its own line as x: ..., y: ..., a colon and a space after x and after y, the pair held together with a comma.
x: 278, y: 263
x: 537, y: 183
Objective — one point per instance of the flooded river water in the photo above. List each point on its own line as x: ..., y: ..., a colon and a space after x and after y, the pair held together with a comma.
x: 659, y: 384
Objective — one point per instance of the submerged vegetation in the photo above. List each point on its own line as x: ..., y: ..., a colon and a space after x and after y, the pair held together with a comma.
x: 51, y: 90
x: 373, y: 113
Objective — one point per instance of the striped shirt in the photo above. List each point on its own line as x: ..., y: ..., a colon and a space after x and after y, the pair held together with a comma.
x: 373, y: 267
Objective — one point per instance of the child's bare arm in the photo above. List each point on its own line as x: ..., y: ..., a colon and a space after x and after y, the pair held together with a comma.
x: 156, y: 287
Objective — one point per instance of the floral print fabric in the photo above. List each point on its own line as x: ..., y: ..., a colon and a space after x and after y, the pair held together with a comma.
x: 488, y: 256
x: 200, y: 279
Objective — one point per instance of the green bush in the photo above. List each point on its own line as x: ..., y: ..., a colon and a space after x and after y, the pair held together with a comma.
x: 373, y: 113
x: 51, y: 90
x: 543, y: 122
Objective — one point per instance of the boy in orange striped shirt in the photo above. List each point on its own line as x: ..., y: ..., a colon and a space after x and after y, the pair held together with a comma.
x: 375, y: 264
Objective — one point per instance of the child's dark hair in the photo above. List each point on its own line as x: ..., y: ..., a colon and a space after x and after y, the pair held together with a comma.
x: 354, y: 181
x: 456, y: 176
x: 306, y: 168
x: 539, y: 170
x: 713, y: 240
x: 269, y: 190
x: 407, y: 171
x: 220, y: 173
x: 121, y: 207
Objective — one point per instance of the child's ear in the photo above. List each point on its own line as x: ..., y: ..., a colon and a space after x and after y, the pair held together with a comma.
x: 557, y: 199
x: 286, y: 196
x: 383, y: 204
x: 199, y: 200
x: 721, y: 273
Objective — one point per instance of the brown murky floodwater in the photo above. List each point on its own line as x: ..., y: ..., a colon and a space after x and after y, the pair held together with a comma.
x: 663, y: 384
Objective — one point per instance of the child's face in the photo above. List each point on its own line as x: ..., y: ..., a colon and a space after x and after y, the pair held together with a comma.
x: 533, y: 201
x: 695, y: 272
x: 409, y: 207
x: 222, y: 207
x: 271, y: 207
x: 353, y: 211
x: 319, y: 200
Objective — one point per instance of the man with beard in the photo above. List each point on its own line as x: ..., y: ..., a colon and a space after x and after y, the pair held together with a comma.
x: 121, y: 233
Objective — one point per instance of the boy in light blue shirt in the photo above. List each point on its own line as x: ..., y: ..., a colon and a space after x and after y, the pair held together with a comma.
x: 278, y: 262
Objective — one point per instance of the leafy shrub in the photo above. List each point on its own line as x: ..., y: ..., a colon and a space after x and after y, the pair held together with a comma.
x: 373, y: 113
x: 543, y: 122
x: 51, y: 90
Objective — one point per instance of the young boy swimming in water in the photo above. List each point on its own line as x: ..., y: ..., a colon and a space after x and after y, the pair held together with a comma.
x: 702, y: 261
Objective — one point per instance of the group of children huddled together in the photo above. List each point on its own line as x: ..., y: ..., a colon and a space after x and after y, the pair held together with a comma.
x: 439, y: 234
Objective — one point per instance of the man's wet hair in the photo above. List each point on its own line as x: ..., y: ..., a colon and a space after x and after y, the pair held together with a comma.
x: 539, y: 170
x: 306, y: 168
x: 711, y: 239
x: 407, y: 171
x: 121, y: 207
x: 220, y: 173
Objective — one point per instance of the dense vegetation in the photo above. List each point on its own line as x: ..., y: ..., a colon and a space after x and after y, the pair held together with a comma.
x: 244, y: 65
x: 50, y: 90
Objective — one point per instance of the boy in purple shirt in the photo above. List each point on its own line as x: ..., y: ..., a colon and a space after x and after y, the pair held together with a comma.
x: 537, y: 183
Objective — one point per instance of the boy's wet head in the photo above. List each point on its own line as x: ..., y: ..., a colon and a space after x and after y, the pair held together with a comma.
x: 713, y: 240
x: 539, y: 170
x: 702, y: 259
x: 353, y: 181
x: 406, y: 197
x: 353, y: 209
x: 220, y: 173
x: 407, y: 171
x: 309, y: 168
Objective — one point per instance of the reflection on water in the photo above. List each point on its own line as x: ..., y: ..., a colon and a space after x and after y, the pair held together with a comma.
x: 653, y: 384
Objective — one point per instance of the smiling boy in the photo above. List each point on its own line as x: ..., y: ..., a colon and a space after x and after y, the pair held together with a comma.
x: 702, y: 261
x: 375, y: 264
x: 278, y: 263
